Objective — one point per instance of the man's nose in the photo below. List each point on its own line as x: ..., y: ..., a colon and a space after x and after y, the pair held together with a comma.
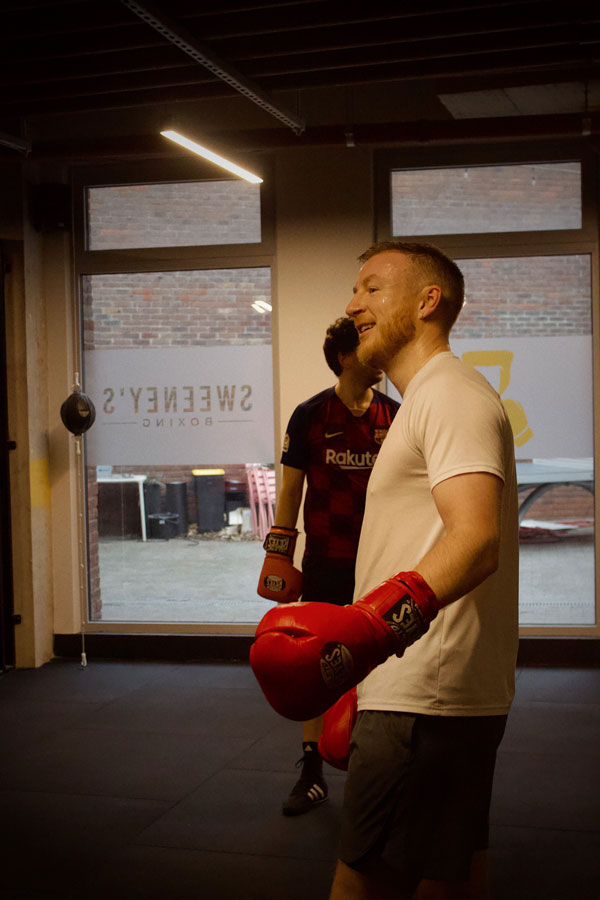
x: 355, y: 305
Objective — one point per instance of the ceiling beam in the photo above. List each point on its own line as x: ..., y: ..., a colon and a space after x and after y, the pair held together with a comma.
x: 485, y: 71
x: 174, y: 32
x: 167, y: 62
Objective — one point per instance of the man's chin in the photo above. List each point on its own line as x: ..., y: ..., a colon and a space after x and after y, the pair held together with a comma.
x: 370, y: 357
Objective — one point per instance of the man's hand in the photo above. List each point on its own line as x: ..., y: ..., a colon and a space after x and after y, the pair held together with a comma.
x: 307, y: 655
x: 279, y: 580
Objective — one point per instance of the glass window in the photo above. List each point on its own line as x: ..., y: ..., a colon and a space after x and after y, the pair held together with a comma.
x: 173, y: 214
x: 527, y: 327
x: 486, y: 199
x: 179, y: 365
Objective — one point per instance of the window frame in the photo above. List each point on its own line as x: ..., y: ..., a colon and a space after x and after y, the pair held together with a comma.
x: 461, y: 157
x: 150, y: 258
x: 584, y: 240
x: 159, y: 259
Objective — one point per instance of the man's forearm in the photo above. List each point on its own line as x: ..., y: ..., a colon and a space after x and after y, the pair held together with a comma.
x: 290, y: 498
x: 458, y: 564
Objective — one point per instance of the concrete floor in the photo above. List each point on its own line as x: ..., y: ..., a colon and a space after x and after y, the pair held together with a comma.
x: 161, y: 781
x: 214, y: 581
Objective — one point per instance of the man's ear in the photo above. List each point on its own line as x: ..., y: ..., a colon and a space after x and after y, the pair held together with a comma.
x: 430, y: 300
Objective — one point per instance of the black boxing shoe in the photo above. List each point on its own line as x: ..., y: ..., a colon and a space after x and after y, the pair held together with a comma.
x: 310, y: 790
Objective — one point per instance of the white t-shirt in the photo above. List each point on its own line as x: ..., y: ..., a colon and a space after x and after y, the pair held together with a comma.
x: 451, y: 422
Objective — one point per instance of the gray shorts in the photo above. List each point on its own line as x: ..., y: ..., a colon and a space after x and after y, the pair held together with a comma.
x: 418, y: 793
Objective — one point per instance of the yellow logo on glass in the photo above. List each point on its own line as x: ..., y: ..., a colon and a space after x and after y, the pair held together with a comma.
x: 514, y: 410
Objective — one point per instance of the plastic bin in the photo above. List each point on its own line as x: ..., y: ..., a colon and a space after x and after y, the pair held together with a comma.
x: 152, y: 500
x: 210, y: 499
x: 163, y: 526
x: 176, y: 502
x: 236, y: 495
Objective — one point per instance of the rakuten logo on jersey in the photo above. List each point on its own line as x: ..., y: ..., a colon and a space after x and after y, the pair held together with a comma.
x: 346, y: 459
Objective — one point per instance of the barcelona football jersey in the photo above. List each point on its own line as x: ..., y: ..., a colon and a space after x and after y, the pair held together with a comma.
x: 336, y: 450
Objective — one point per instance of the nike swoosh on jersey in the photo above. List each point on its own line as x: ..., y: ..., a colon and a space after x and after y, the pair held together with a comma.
x: 332, y: 434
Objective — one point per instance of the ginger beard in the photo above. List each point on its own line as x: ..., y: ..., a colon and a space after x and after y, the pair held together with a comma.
x: 386, y: 339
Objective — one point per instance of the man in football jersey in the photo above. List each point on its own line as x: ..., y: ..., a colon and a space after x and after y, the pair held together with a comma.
x: 331, y: 443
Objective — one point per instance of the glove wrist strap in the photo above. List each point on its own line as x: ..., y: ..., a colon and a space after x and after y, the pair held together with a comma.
x: 406, y: 604
x: 281, y: 541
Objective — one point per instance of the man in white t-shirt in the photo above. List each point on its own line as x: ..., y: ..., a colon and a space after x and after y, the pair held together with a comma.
x: 442, y: 502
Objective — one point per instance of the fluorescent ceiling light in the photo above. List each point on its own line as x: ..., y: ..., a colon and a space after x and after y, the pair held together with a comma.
x: 15, y: 143
x: 262, y: 306
x: 213, y: 157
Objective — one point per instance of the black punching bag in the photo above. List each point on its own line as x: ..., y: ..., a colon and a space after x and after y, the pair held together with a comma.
x: 78, y: 413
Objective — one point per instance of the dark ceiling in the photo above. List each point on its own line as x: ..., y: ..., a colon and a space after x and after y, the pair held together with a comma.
x: 72, y: 57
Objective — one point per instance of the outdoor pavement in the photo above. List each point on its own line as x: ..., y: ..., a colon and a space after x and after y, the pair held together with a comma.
x: 181, y: 580
x: 214, y: 581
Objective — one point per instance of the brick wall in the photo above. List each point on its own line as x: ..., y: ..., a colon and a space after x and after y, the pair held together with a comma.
x: 563, y: 503
x: 173, y: 214
x: 483, y: 199
x: 541, y: 296
x: 204, y: 308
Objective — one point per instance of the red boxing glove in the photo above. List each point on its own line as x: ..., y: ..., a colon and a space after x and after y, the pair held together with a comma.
x: 307, y: 655
x: 279, y: 580
x: 338, y: 722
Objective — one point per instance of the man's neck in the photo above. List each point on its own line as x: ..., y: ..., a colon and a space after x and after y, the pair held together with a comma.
x: 354, y: 394
x: 411, y: 360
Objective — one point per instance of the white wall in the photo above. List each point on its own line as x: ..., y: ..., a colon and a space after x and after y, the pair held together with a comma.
x: 324, y: 220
